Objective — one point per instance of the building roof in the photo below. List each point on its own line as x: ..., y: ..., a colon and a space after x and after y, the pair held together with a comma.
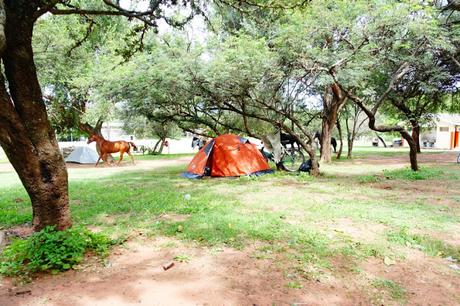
x: 449, y: 118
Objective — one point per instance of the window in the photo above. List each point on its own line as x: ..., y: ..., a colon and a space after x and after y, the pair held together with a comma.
x: 444, y: 129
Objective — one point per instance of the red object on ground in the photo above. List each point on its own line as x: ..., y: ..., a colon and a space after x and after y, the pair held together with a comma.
x: 227, y: 155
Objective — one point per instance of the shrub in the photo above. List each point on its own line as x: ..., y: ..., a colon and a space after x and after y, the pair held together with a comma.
x: 51, y: 250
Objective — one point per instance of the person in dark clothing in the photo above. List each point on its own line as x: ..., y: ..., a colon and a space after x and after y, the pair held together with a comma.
x: 333, y: 140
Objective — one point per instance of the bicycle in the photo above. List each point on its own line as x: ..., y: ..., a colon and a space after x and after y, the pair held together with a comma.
x: 291, y: 157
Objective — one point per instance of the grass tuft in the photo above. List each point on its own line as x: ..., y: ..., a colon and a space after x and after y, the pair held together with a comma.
x: 407, y: 174
x: 395, y: 290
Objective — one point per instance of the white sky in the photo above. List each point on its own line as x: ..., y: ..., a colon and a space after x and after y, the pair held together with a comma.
x: 196, y: 29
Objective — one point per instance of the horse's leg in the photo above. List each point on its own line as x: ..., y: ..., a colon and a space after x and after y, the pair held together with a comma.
x: 121, y: 157
x: 130, y: 155
x: 104, y: 158
x: 98, y: 160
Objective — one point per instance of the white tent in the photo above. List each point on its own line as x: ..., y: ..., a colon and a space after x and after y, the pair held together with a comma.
x: 82, y: 155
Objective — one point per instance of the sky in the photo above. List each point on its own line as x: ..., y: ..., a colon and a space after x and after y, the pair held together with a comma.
x: 196, y: 29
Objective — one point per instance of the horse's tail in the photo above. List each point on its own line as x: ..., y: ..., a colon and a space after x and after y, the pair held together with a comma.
x: 132, y: 145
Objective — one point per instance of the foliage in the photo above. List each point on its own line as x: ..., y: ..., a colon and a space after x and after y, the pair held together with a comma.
x: 72, y: 54
x: 51, y: 250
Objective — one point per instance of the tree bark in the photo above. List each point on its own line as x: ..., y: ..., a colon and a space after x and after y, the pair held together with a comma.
x: 416, y: 135
x: 381, y: 128
x: 350, y: 149
x: 412, y: 116
x: 412, y: 151
x: 381, y: 139
x: 339, y: 129
x: 156, y: 146
x: 333, y: 100
x: 25, y: 132
x: 160, y: 150
x: 325, y: 141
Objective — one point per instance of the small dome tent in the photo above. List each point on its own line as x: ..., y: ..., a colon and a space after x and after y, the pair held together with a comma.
x: 82, y: 155
x: 225, y: 156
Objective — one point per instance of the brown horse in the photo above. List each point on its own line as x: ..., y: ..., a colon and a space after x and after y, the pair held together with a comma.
x: 106, y: 147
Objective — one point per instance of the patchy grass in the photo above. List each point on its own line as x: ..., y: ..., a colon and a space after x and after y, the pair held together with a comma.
x: 433, y: 247
x: 395, y: 290
x: 424, y: 173
x: 303, y: 223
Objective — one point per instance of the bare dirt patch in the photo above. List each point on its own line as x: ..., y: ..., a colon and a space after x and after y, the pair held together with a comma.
x: 403, y: 158
x: 363, y: 232
x: 126, y: 165
x: 134, y: 274
x: 443, y: 193
x: 427, y: 280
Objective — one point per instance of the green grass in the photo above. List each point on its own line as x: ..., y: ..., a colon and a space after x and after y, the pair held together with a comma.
x: 309, y: 222
x: 433, y: 247
x: 407, y: 174
x: 395, y: 290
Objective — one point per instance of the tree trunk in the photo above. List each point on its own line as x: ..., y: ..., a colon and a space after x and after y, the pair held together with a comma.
x: 413, y: 150
x: 160, y: 151
x: 350, y: 149
x: 333, y: 100
x: 314, y: 162
x: 156, y: 146
x: 381, y: 139
x: 25, y: 132
x: 416, y: 135
x: 382, y: 128
x: 349, y: 139
x: 325, y: 141
x: 339, y: 129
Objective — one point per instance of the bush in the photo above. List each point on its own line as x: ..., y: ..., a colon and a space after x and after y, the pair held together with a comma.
x: 51, y: 250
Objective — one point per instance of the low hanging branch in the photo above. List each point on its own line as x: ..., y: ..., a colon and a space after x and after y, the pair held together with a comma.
x: 78, y: 44
x: 401, y: 71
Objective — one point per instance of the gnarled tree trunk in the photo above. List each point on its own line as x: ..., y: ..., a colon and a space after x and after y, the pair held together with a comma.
x: 25, y: 132
x: 334, y: 99
x: 412, y: 150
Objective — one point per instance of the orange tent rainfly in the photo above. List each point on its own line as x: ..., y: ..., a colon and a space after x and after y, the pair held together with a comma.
x: 227, y: 155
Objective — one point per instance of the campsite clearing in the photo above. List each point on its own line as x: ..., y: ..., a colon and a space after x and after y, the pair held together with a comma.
x: 368, y: 231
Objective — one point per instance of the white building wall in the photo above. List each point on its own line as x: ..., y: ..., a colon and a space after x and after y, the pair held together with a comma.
x: 443, y: 135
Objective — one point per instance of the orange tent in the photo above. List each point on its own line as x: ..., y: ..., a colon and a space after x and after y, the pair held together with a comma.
x: 227, y: 155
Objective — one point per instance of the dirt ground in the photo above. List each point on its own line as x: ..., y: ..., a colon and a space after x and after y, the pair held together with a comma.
x: 125, y: 165
x: 134, y: 273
